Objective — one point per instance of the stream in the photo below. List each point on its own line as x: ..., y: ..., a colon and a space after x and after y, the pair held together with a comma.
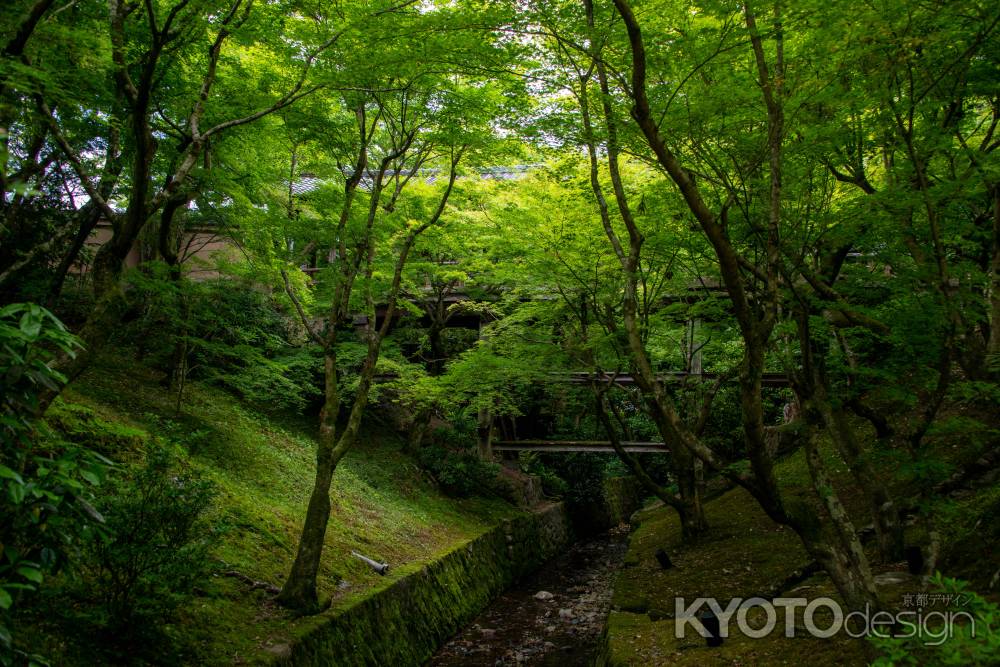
x: 552, y: 617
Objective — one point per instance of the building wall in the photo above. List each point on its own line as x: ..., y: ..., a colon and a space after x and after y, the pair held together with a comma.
x: 201, y: 251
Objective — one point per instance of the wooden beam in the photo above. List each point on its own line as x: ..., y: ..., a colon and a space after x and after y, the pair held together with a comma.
x: 632, y: 446
x: 768, y: 379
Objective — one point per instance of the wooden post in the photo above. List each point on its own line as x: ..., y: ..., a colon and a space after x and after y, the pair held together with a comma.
x: 694, y: 347
x: 485, y: 432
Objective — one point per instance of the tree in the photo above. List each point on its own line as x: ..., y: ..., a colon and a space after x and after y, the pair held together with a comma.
x: 422, y: 128
x: 158, y: 120
x: 769, y: 265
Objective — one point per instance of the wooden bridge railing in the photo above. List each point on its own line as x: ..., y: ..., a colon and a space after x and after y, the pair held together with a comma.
x: 632, y: 446
x: 768, y: 380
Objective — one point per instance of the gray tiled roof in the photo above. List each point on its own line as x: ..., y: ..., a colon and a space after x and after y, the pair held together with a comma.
x: 309, y: 182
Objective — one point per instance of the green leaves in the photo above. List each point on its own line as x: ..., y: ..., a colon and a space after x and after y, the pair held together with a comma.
x: 31, y: 573
x: 40, y: 487
x: 31, y: 322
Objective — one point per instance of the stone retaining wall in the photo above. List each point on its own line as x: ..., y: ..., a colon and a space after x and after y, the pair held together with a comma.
x: 620, y: 497
x: 405, y: 623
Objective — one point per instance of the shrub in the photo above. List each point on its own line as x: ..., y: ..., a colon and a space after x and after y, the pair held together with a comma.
x: 155, y: 550
x: 224, y: 332
x: 962, y: 646
x: 460, y: 473
x: 552, y: 484
x: 45, y: 485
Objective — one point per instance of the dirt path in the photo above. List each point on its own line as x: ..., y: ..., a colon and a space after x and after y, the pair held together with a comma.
x: 554, y: 617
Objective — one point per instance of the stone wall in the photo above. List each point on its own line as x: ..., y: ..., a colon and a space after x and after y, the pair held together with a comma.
x: 620, y: 497
x: 623, y: 496
x: 405, y: 623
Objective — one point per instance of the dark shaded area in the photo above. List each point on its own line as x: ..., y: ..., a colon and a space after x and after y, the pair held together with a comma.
x: 518, y: 628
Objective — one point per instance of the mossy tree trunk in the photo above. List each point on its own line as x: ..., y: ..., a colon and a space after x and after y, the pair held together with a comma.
x: 299, y: 591
x: 138, y: 42
x: 756, y: 314
x: 687, y: 502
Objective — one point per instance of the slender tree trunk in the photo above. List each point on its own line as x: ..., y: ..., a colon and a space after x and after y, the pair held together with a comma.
x: 884, y: 512
x: 993, y: 346
x: 436, y: 364
x: 688, y: 501
x: 691, y: 506
x: 299, y: 591
x: 102, y: 320
x: 847, y: 565
x: 89, y: 216
x: 692, y: 511
x: 418, y: 429
x: 180, y: 373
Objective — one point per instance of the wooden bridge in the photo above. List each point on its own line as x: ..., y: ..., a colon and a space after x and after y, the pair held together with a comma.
x: 632, y: 446
x: 768, y: 379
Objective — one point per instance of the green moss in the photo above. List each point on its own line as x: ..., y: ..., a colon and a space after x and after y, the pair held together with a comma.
x: 633, y: 639
x: 90, y: 427
x: 422, y: 605
x: 744, y: 555
x: 383, y: 505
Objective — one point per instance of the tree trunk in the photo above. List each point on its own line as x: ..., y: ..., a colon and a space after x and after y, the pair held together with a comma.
x: 688, y: 501
x: 815, y: 391
x: 436, y: 364
x: 847, y: 564
x: 106, y: 314
x: 299, y: 591
x: 691, y: 506
x: 884, y: 512
x: 418, y: 429
x: 88, y: 217
x: 993, y: 345
x: 692, y: 514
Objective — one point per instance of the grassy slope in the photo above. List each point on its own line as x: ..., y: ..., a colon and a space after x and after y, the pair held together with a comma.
x: 744, y: 555
x: 383, y: 506
x: 747, y: 555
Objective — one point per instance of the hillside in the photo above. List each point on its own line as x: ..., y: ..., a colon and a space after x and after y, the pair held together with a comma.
x: 746, y: 555
x: 262, y: 467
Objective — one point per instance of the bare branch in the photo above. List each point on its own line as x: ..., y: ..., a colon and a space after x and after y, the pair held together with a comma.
x: 74, y: 160
x: 322, y: 342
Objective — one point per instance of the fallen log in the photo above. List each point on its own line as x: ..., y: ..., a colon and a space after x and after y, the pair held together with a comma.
x: 381, y: 568
x: 253, y: 583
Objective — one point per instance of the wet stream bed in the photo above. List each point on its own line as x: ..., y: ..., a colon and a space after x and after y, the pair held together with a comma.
x: 553, y: 617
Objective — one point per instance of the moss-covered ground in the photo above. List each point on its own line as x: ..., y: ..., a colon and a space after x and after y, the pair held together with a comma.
x: 744, y: 555
x: 262, y: 466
